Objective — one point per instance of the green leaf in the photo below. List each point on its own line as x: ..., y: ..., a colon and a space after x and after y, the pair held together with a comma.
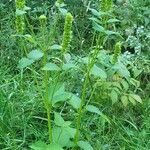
x: 51, y: 67
x: 20, y: 12
x: 35, y: 54
x: 59, y: 121
x: 39, y: 145
x: 95, y: 12
x: 124, y: 100
x: 122, y: 70
x: 42, y: 146
x: 113, y: 20
x: 56, y: 46
x: 63, y: 11
x: 136, y: 97
x: 93, y: 109
x: 74, y: 101
x: 108, y: 32
x: 114, y: 96
x: 54, y: 146
x: 24, y: 62
x: 125, y: 85
x: 57, y: 93
x: 68, y: 66
x: 98, y: 72
x: 98, y: 28
x: 62, y: 135
x: 132, y: 100
x: 85, y: 145
x: 61, y: 98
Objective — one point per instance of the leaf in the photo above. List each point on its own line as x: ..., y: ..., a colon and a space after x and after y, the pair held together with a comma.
x: 60, y: 97
x: 20, y: 12
x: 57, y: 93
x: 95, y: 12
x: 62, y: 135
x: 51, y: 67
x: 124, y: 100
x: 136, y: 97
x: 134, y: 82
x: 56, y: 46
x: 85, y: 145
x: 74, y: 101
x: 35, y: 54
x: 132, y: 100
x: 114, y: 96
x: 113, y: 20
x: 93, y: 109
x: 24, y: 62
x: 63, y: 11
x: 54, y: 146
x: 98, y: 72
x: 59, y: 121
x: 39, y: 145
x: 121, y: 69
x: 125, y: 84
x: 98, y: 28
x: 108, y: 32
x: 68, y: 66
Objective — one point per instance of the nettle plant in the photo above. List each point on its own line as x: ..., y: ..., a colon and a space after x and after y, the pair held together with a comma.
x: 99, y: 70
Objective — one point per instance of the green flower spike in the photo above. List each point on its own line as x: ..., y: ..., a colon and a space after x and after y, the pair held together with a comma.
x: 117, y: 52
x: 19, y: 21
x: 67, y: 32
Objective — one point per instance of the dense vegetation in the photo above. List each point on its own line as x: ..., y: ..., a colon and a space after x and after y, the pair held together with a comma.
x: 75, y: 74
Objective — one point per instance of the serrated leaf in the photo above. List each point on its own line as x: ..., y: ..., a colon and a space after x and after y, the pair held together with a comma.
x: 51, y: 67
x: 35, y: 54
x: 85, y: 145
x: 24, y: 62
x: 124, y: 100
x: 93, y: 109
x: 114, y: 96
x: 98, y: 72
x: 136, y: 97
